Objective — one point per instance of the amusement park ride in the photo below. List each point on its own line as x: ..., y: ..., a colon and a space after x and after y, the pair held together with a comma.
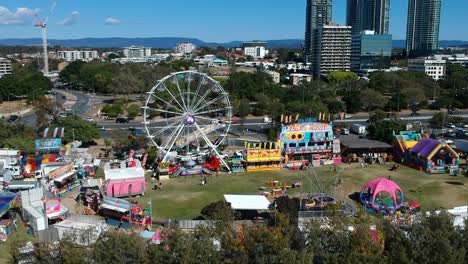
x: 193, y: 117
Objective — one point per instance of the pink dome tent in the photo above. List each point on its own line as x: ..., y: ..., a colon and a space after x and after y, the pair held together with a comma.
x: 382, y: 194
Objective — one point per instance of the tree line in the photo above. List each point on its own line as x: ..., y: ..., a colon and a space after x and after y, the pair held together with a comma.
x: 339, y: 239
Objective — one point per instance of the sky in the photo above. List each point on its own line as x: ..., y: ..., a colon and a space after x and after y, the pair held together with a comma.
x: 208, y: 20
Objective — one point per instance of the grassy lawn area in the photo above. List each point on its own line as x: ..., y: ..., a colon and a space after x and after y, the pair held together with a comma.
x: 183, y: 198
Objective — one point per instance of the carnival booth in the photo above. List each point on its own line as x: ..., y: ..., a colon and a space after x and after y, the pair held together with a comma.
x: 307, y: 141
x: 124, y: 178
x: 432, y: 156
x: 262, y: 156
x: 382, y: 195
x: 122, y: 213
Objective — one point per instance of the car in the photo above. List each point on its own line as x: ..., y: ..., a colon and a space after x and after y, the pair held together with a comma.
x: 450, y: 125
x: 89, y: 119
x: 462, y: 125
x: 347, y: 116
x: 63, y: 115
x: 12, y: 118
x: 121, y: 120
x: 345, y: 131
x: 103, y: 129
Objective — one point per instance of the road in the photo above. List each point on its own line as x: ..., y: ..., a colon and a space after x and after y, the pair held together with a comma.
x: 80, y: 107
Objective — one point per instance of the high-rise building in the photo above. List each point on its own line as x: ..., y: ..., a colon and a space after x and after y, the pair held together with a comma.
x: 331, y: 49
x: 318, y: 13
x: 422, y: 33
x: 137, y: 52
x: 368, y: 15
x: 370, y: 51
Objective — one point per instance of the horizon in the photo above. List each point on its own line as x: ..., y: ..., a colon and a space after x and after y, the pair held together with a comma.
x: 244, y: 21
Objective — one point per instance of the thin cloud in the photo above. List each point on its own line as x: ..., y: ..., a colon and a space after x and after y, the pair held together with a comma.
x: 112, y: 21
x: 72, y: 19
x: 21, y: 16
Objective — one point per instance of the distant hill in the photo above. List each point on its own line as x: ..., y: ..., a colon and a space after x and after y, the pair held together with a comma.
x: 170, y: 42
x: 162, y: 43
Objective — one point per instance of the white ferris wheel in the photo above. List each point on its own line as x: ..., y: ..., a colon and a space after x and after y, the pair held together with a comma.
x: 187, y: 115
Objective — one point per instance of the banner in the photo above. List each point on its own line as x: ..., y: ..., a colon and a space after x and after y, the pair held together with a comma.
x: 61, y: 170
x: 48, y: 145
x: 52, y: 206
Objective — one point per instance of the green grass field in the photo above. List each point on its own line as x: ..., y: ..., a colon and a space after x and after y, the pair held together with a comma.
x: 183, y: 198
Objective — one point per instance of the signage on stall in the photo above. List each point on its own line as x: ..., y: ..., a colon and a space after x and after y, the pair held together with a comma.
x: 48, y: 144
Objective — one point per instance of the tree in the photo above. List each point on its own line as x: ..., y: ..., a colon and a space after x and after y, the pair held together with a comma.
x: 77, y: 129
x: 383, y: 130
x: 437, y: 120
x: 133, y: 110
x: 353, y: 102
x: 372, y: 100
x: 117, y: 246
x: 218, y: 211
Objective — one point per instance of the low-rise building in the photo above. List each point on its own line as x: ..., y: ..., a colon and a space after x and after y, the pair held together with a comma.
x: 75, y: 55
x: 5, y: 67
x: 185, y: 47
x: 137, y: 52
x: 275, y: 76
x: 297, y: 78
x: 435, y: 68
x: 460, y: 59
x: 255, y: 49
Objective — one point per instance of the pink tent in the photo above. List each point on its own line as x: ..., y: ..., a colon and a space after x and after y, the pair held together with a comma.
x: 379, y: 185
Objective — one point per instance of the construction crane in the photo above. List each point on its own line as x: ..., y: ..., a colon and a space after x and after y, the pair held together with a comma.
x: 43, y: 24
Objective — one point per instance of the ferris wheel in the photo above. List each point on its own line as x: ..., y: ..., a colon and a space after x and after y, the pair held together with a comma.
x: 186, y: 115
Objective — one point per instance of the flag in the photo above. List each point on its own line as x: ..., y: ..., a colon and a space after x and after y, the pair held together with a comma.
x: 297, y: 117
x: 55, y: 132
x: 282, y: 118
x: 62, y: 133
x: 46, y: 131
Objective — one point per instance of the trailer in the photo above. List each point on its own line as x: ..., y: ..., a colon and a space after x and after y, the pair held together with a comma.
x: 358, y: 129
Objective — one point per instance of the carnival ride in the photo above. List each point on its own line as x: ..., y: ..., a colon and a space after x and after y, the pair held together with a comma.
x: 187, y: 116
x: 382, y: 195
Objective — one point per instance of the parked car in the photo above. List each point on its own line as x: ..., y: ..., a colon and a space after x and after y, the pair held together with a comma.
x: 12, y: 118
x: 345, y: 131
x: 450, y: 125
x: 463, y: 125
x: 89, y: 119
x: 121, y: 120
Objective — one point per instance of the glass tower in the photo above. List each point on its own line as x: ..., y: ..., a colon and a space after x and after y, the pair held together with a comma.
x: 422, y: 33
x: 368, y: 15
x: 318, y: 13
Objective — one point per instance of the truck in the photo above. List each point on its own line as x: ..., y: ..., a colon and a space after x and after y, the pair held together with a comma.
x: 358, y: 129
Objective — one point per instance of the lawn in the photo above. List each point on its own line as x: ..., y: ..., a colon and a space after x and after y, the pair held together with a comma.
x: 183, y: 198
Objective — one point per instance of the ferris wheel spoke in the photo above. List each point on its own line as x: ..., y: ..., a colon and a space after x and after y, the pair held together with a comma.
x: 209, y: 103
x: 172, y: 144
x: 210, y: 111
x: 213, y: 147
x: 166, y: 102
x: 181, y: 95
x: 172, y: 125
x: 168, y: 91
x: 188, y: 89
x: 205, y: 95
x: 168, y: 139
x: 167, y: 111
x: 197, y: 92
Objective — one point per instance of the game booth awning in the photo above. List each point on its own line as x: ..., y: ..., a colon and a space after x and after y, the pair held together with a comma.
x: 247, y: 202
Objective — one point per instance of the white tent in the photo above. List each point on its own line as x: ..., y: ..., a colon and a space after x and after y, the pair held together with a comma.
x: 247, y: 202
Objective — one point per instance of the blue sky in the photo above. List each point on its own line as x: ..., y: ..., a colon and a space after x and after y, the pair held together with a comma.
x: 208, y: 20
